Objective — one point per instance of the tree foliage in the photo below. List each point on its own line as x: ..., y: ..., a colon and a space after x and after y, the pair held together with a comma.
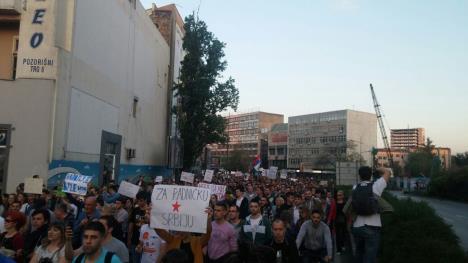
x: 460, y: 159
x: 238, y: 161
x: 202, y: 91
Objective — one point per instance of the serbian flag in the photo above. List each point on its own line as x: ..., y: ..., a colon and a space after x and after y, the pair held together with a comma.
x: 256, y: 163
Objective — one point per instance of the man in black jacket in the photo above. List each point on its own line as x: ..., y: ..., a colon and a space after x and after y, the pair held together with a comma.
x: 285, y: 250
x: 242, y: 203
x: 40, y: 220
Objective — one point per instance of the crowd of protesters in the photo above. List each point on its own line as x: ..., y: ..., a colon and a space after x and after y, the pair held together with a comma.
x: 258, y: 220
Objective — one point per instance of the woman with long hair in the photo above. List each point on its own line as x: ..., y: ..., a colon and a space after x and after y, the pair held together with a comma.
x: 53, y: 247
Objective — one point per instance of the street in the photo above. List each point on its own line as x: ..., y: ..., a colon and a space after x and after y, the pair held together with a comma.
x: 453, y: 213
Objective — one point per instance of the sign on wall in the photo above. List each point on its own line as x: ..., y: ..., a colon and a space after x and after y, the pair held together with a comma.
x: 37, y: 54
x: 179, y: 208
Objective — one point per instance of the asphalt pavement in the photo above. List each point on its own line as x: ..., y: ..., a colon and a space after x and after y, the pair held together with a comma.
x: 453, y: 213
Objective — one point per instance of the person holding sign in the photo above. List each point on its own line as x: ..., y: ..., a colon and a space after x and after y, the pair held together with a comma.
x: 192, y: 245
x: 223, y: 238
x: 88, y: 214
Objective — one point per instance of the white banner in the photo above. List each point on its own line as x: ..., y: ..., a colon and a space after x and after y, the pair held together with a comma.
x: 272, y: 171
x: 179, y: 208
x: 128, y: 189
x: 37, y: 54
x: 33, y: 185
x: 208, y: 176
x: 187, y: 177
x: 76, y: 184
x: 216, y: 189
x: 158, y: 179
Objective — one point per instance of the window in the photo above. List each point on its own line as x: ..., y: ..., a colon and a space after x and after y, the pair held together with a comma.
x: 135, y: 106
x: 272, y: 151
x: 280, y: 151
x: 14, y: 56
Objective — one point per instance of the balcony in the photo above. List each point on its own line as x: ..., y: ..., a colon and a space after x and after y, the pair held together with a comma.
x: 10, y: 7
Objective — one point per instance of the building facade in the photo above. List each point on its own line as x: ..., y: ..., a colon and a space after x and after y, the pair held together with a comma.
x: 88, y: 95
x: 317, y: 141
x: 407, y: 138
x: 278, y: 146
x: 400, y: 157
x: 248, y: 133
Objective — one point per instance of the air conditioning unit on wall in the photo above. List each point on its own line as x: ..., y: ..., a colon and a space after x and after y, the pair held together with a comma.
x: 130, y: 153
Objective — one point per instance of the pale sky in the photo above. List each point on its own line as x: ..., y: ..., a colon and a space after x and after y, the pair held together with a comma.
x: 301, y: 57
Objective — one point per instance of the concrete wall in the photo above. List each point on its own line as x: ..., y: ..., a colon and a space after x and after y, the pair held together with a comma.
x: 26, y: 105
x: 118, y: 54
x: 7, y: 32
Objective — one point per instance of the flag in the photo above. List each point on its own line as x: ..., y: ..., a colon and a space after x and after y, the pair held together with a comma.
x: 256, y: 163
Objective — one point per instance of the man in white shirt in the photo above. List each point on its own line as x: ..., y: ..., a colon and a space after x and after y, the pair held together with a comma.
x: 367, y: 226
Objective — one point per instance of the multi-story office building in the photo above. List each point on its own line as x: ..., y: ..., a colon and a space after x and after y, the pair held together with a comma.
x: 316, y: 141
x: 407, y: 138
x: 278, y: 146
x: 400, y: 157
x: 84, y: 89
x: 247, y: 133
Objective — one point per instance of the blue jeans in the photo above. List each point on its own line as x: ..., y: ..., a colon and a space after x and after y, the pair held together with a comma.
x: 135, y: 257
x: 367, y: 243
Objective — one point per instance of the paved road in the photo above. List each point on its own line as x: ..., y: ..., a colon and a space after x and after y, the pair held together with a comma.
x: 454, y: 213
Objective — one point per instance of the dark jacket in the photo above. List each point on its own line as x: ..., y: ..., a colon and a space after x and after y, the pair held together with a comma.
x: 244, y: 208
x: 33, y: 239
x: 287, y: 250
x: 262, y: 237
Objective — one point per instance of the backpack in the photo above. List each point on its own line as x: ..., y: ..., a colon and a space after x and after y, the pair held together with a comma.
x: 107, y: 259
x: 364, y: 201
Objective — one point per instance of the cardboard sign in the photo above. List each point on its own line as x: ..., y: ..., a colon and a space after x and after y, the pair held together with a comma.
x: 76, y: 184
x: 158, y: 179
x: 293, y: 179
x: 284, y: 174
x: 128, y: 189
x: 272, y: 172
x: 239, y: 174
x: 179, y: 208
x: 33, y: 185
x: 265, y: 172
x: 216, y: 189
x: 324, y: 183
x: 187, y: 177
x: 208, y: 176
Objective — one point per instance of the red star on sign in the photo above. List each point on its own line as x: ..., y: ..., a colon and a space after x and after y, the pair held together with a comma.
x: 175, y: 207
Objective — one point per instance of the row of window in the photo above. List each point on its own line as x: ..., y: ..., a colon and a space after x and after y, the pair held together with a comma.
x: 317, y: 151
x: 277, y: 150
x: 315, y: 140
x: 243, y: 132
x: 243, y: 125
x: 317, y: 118
x: 243, y: 118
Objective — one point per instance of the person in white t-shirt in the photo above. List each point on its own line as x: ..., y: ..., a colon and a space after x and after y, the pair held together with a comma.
x: 152, y: 247
x: 366, y: 228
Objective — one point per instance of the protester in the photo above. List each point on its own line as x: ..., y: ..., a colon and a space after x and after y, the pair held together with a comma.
x: 317, y: 239
x: 86, y: 215
x: 340, y: 222
x: 54, y: 247
x: 265, y: 208
x: 137, y: 219
x: 285, y: 249
x: 152, y: 246
x: 111, y: 243
x: 93, y: 237
x: 367, y: 224
x: 111, y: 195
x: 121, y: 215
x: 39, y: 231
x: 11, y: 241
x: 191, y: 244
x: 242, y: 202
x: 234, y: 219
x: 256, y: 228
x: 223, y: 239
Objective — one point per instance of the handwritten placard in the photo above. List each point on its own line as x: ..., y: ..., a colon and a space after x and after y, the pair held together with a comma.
x: 33, y: 185
x: 272, y: 171
x: 158, y: 179
x: 179, y: 208
x: 187, y: 177
x: 128, y: 189
x: 216, y: 189
x: 76, y: 184
x: 208, y: 176
x: 284, y: 174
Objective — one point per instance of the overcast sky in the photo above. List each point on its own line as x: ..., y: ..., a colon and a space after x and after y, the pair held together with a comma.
x: 301, y: 57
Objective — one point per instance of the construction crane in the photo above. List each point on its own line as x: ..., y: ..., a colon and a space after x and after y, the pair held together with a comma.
x: 382, y: 128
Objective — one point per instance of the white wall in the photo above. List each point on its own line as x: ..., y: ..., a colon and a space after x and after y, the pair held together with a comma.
x: 361, y: 129
x: 117, y: 54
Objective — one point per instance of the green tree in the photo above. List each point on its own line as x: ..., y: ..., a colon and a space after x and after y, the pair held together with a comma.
x: 202, y: 91
x: 460, y: 159
x: 238, y: 161
x: 423, y: 161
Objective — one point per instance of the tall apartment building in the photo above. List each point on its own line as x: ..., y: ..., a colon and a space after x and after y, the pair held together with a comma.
x: 84, y: 89
x: 407, y: 138
x: 278, y: 146
x: 330, y: 136
x: 247, y: 133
